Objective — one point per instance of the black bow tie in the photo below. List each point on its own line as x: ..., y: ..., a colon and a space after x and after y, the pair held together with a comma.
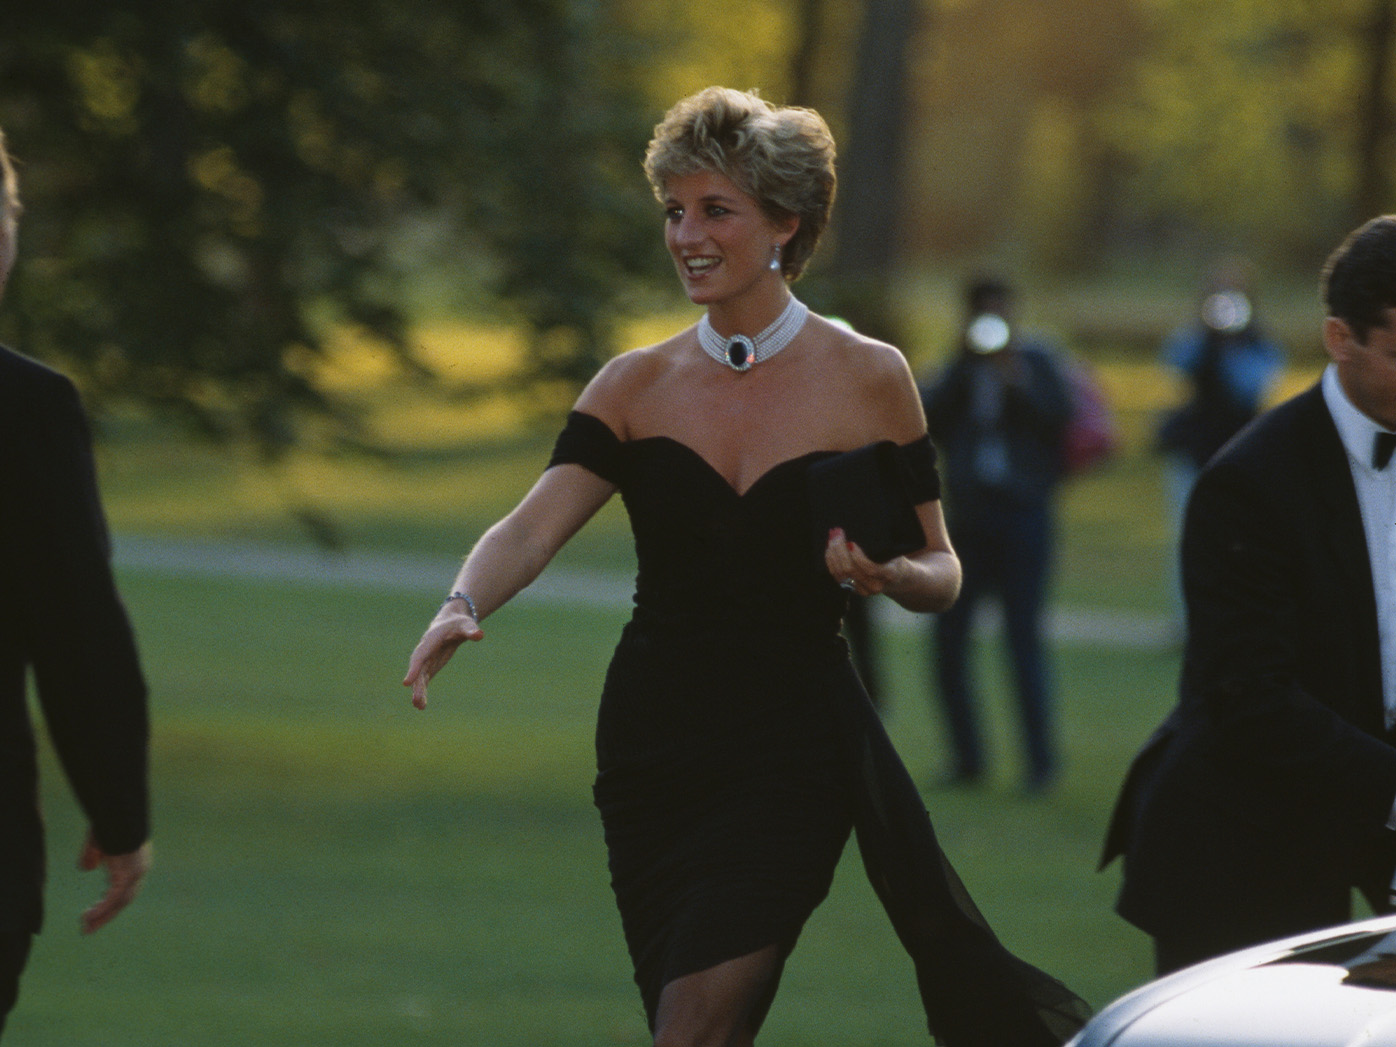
x: 1382, y: 447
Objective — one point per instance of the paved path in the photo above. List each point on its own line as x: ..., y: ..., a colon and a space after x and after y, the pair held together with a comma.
x: 429, y: 575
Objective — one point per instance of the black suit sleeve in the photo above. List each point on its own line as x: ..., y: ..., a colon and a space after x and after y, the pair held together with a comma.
x: 1280, y: 666
x: 74, y: 630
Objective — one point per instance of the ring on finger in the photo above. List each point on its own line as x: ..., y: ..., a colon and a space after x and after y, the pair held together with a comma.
x: 848, y: 585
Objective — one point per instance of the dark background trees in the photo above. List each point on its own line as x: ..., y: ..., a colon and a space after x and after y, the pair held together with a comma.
x: 216, y: 189
x: 213, y: 188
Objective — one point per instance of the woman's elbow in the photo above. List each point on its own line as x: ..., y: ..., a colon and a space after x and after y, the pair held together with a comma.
x: 938, y: 585
x: 947, y: 589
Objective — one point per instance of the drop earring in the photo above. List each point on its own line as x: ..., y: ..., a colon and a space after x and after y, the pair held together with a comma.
x: 775, y: 257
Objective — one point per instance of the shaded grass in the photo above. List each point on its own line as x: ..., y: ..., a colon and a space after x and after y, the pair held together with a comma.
x: 457, y: 466
x: 458, y: 460
x: 1113, y: 541
x: 335, y: 868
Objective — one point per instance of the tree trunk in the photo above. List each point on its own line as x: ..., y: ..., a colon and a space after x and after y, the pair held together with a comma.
x: 808, y: 18
x: 866, y: 223
x: 1375, y: 123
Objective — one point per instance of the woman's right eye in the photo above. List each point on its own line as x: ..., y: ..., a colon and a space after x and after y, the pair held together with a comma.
x: 673, y: 214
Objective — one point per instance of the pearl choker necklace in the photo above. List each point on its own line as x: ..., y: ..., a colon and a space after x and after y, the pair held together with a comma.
x: 741, y: 351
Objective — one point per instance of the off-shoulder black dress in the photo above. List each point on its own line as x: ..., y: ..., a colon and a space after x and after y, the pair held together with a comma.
x: 735, y: 746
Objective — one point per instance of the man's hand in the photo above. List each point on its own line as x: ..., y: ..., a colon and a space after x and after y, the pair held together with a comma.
x: 125, y: 872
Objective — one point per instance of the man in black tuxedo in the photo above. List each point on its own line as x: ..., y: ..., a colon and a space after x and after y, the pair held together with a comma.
x: 1267, y: 794
x: 61, y: 617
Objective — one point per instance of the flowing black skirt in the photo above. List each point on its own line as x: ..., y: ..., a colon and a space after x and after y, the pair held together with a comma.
x: 729, y: 778
x: 724, y: 792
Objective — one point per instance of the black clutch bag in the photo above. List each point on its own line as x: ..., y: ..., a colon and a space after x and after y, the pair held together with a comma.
x: 867, y: 492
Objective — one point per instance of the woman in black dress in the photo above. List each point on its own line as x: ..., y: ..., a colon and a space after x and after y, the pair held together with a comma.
x: 733, y: 747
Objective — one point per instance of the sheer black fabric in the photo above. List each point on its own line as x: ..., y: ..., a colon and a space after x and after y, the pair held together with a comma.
x: 976, y: 993
x: 736, y: 749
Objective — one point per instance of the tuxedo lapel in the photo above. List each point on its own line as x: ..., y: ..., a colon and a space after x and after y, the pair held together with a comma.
x: 1338, y: 529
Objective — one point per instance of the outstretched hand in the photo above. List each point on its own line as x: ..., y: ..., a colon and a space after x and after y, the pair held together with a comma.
x: 446, y: 632
x: 125, y: 873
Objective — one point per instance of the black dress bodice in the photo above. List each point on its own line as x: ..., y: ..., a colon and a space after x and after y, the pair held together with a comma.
x: 712, y: 558
x: 736, y: 748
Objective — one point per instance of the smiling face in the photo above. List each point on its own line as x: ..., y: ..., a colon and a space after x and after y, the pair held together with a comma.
x: 721, y: 241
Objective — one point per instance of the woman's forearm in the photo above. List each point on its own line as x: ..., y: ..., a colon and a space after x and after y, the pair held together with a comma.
x: 512, y: 553
x: 927, y: 582
x: 502, y: 564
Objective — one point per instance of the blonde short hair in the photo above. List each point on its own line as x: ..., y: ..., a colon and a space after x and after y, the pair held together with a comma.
x: 783, y: 156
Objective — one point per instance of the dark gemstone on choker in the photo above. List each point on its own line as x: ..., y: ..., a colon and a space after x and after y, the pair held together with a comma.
x: 740, y: 352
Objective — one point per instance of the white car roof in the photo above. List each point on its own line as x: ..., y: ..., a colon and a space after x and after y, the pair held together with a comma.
x: 1297, y: 992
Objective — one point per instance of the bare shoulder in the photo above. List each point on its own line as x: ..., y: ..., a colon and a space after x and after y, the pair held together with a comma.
x: 624, y: 381
x: 875, y: 375
x: 872, y: 360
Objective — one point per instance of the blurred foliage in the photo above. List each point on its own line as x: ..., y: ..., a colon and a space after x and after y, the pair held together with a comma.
x: 213, y: 188
x: 1243, y: 117
x: 1067, y: 134
x: 1003, y: 154
x: 1071, y: 139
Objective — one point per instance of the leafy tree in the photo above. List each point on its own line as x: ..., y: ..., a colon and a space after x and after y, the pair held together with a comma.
x: 1240, y: 118
x: 866, y: 245
x: 214, y: 186
x: 1377, y: 125
x: 1003, y: 157
x: 572, y: 222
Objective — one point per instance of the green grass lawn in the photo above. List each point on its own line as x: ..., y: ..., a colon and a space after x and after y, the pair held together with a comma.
x: 335, y: 868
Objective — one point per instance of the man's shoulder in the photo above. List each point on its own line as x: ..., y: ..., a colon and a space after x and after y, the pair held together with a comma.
x: 1281, y: 439
x: 15, y: 367
x: 1044, y: 354
x: 26, y: 381
x: 1039, y: 346
x: 1295, y: 419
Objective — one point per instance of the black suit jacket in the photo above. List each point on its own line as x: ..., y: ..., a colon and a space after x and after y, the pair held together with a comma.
x: 61, y: 618
x: 1262, y: 799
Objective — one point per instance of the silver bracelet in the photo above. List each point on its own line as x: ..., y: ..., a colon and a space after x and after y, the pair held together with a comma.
x: 469, y: 604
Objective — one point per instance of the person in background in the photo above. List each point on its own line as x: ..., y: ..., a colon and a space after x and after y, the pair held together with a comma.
x: 1229, y: 364
x: 1269, y: 792
x: 997, y: 413
x: 735, y: 746
x: 61, y: 617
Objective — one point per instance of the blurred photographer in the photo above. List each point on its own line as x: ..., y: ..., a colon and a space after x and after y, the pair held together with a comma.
x: 1230, y: 366
x: 997, y: 414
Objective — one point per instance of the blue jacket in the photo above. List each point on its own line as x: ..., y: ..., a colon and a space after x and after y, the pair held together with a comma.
x: 999, y: 438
